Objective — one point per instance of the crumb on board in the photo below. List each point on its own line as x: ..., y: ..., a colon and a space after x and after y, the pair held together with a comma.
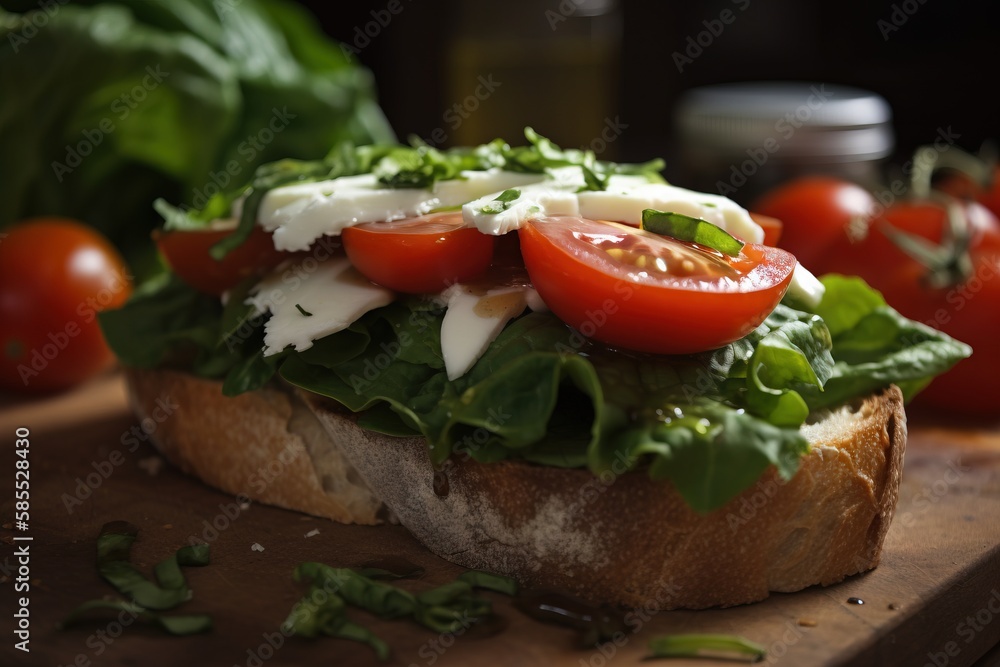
x: 256, y: 546
x: 313, y: 533
x: 151, y: 464
x: 807, y: 622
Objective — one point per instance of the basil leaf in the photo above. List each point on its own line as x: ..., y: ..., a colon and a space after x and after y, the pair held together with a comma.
x: 175, y: 624
x: 489, y: 581
x: 502, y: 202
x: 699, y: 645
x: 113, y: 547
x: 322, y: 612
x: 693, y: 230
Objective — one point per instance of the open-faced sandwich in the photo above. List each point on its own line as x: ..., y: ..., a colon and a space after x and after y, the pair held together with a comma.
x: 543, y: 365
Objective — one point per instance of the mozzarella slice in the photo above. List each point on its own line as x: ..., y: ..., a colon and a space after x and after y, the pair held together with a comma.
x: 805, y: 286
x: 624, y: 201
x: 308, y: 301
x: 301, y: 213
x: 473, y: 321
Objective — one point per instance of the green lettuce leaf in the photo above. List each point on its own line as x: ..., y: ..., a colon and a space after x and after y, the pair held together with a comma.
x: 119, y: 102
x: 710, y: 423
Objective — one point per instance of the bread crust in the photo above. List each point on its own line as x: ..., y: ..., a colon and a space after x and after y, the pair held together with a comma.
x: 618, y: 539
x: 264, y: 445
x: 630, y: 541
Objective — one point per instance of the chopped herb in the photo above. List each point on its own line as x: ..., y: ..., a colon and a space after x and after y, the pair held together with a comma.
x: 691, y: 646
x: 489, y: 581
x: 446, y: 209
x: 451, y: 607
x: 174, y: 624
x: 418, y: 166
x: 303, y: 310
x: 503, y: 202
x: 694, y: 230
x: 113, y: 546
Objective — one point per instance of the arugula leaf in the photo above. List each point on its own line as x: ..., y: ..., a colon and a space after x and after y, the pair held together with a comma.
x: 694, y: 230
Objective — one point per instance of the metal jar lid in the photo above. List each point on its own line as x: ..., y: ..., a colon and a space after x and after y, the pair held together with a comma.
x: 802, y: 121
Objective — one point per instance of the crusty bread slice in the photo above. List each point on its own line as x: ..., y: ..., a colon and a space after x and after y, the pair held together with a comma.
x: 622, y: 540
x: 265, y: 445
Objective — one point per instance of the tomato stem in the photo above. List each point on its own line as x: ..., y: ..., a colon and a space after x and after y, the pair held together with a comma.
x: 949, y: 262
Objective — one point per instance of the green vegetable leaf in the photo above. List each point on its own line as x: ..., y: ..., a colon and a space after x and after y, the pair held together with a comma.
x: 706, y: 645
x: 489, y: 581
x: 181, y: 100
x: 873, y: 345
x: 693, y: 230
x: 502, y: 202
x: 113, y: 546
x: 174, y: 624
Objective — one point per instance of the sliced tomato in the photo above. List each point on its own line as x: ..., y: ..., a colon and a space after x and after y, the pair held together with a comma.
x: 187, y: 253
x: 636, y: 290
x: 771, y: 226
x: 419, y: 255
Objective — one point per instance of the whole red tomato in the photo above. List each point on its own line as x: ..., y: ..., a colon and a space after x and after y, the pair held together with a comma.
x: 55, y: 276
x: 816, y: 212
x: 960, y: 296
x: 960, y: 185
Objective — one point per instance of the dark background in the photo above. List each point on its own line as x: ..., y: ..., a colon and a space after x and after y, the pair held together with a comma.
x: 938, y: 69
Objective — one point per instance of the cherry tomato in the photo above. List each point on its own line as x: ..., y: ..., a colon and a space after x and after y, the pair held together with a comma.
x: 967, y: 309
x: 55, y: 276
x: 419, y: 255
x: 641, y: 291
x: 815, y: 211
x: 962, y: 186
x: 771, y: 226
x: 187, y: 253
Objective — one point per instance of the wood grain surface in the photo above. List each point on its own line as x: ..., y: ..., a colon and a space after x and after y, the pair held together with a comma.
x: 934, y: 600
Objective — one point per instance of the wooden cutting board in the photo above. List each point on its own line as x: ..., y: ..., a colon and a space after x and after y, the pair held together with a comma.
x: 934, y: 600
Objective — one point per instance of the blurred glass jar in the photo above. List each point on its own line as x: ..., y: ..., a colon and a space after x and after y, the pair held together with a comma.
x: 551, y: 65
x: 741, y: 139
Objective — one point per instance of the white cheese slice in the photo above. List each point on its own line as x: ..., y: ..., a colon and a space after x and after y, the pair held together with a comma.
x: 301, y: 213
x: 473, y: 321
x: 805, y: 286
x: 333, y: 293
x: 623, y: 201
